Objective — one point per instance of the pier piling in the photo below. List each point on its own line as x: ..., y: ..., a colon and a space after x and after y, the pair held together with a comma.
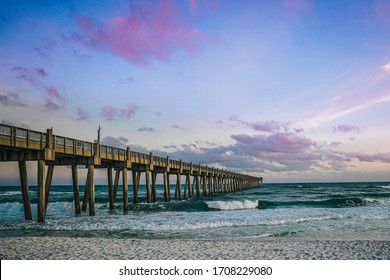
x: 25, y: 190
x: 76, y: 191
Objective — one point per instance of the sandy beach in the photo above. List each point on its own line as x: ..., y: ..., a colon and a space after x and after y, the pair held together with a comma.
x: 77, y: 248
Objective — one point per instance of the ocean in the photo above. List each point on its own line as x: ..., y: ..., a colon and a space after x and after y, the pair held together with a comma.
x: 307, y: 211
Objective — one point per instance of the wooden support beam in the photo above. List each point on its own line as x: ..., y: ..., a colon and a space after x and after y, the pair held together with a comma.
x: 193, y: 185
x: 167, y: 196
x: 111, y: 201
x: 25, y: 190
x: 204, y: 185
x: 125, y: 190
x: 41, y: 191
x: 76, y: 191
x: 86, y: 193
x: 147, y: 182
x: 185, y: 188
x: 116, y: 183
x: 49, y: 177
x: 135, y: 186
x: 91, y: 184
x: 154, y: 189
x: 210, y: 184
x: 197, y: 186
x: 178, y: 185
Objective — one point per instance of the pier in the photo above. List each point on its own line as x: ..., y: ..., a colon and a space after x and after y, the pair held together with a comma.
x: 48, y: 150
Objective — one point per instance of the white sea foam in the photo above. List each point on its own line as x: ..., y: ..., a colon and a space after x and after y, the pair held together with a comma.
x: 368, y: 200
x: 11, y: 207
x: 8, y: 193
x: 233, y: 205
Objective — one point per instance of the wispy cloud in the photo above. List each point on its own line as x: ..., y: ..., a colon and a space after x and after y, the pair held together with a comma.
x: 151, y: 30
x: 82, y: 115
x: 275, y: 143
x: 386, y: 68
x: 30, y: 75
x: 110, y: 113
x: 265, y: 126
x: 145, y: 129
x: 333, y: 112
x: 378, y: 157
x: 54, y: 100
x: 346, y: 128
x: 178, y: 127
x: 34, y: 76
x: 11, y: 99
x: 128, y: 112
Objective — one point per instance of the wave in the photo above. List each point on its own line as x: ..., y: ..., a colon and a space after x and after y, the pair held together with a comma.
x: 233, y: 205
x: 327, y: 203
x: 8, y: 193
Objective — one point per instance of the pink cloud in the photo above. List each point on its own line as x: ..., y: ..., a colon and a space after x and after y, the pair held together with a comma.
x: 148, y: 31
x: 129, y: 111
x: 54, y: 100
x: 346, y: 128
x: 109, y: 112
x: 34, y: 76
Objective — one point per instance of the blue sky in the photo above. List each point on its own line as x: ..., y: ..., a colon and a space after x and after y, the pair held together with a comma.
x: 292, y: 90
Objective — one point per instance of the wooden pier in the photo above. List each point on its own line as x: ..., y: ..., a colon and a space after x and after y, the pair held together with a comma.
x: 21, y: 145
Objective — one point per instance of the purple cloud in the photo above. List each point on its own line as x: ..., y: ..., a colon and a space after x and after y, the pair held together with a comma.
x: 178, y: 127
x: 145, y: 129
x: 109, y: 112
x: 346, y: 128
x: 275, y: 143
x: 378, y: 157
x: 11, y: 99
x: 82, y: 115
x: 149, y: 31
x: 31, y: 75
x: 54, y: 100
x: 264, y: 126
x: 129, y: 111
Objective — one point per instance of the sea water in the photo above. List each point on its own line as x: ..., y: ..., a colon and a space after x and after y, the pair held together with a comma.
x: 316, y: 211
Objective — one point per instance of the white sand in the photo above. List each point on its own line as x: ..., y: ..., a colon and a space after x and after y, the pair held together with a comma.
x: 78, y: 248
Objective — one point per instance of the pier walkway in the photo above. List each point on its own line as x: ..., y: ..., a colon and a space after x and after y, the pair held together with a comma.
x: 20, y: 145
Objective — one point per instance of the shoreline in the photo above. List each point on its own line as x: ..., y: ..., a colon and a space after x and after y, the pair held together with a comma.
x: 100, y: 248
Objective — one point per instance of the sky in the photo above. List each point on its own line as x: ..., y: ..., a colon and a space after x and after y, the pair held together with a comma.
x: 290, y: 90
